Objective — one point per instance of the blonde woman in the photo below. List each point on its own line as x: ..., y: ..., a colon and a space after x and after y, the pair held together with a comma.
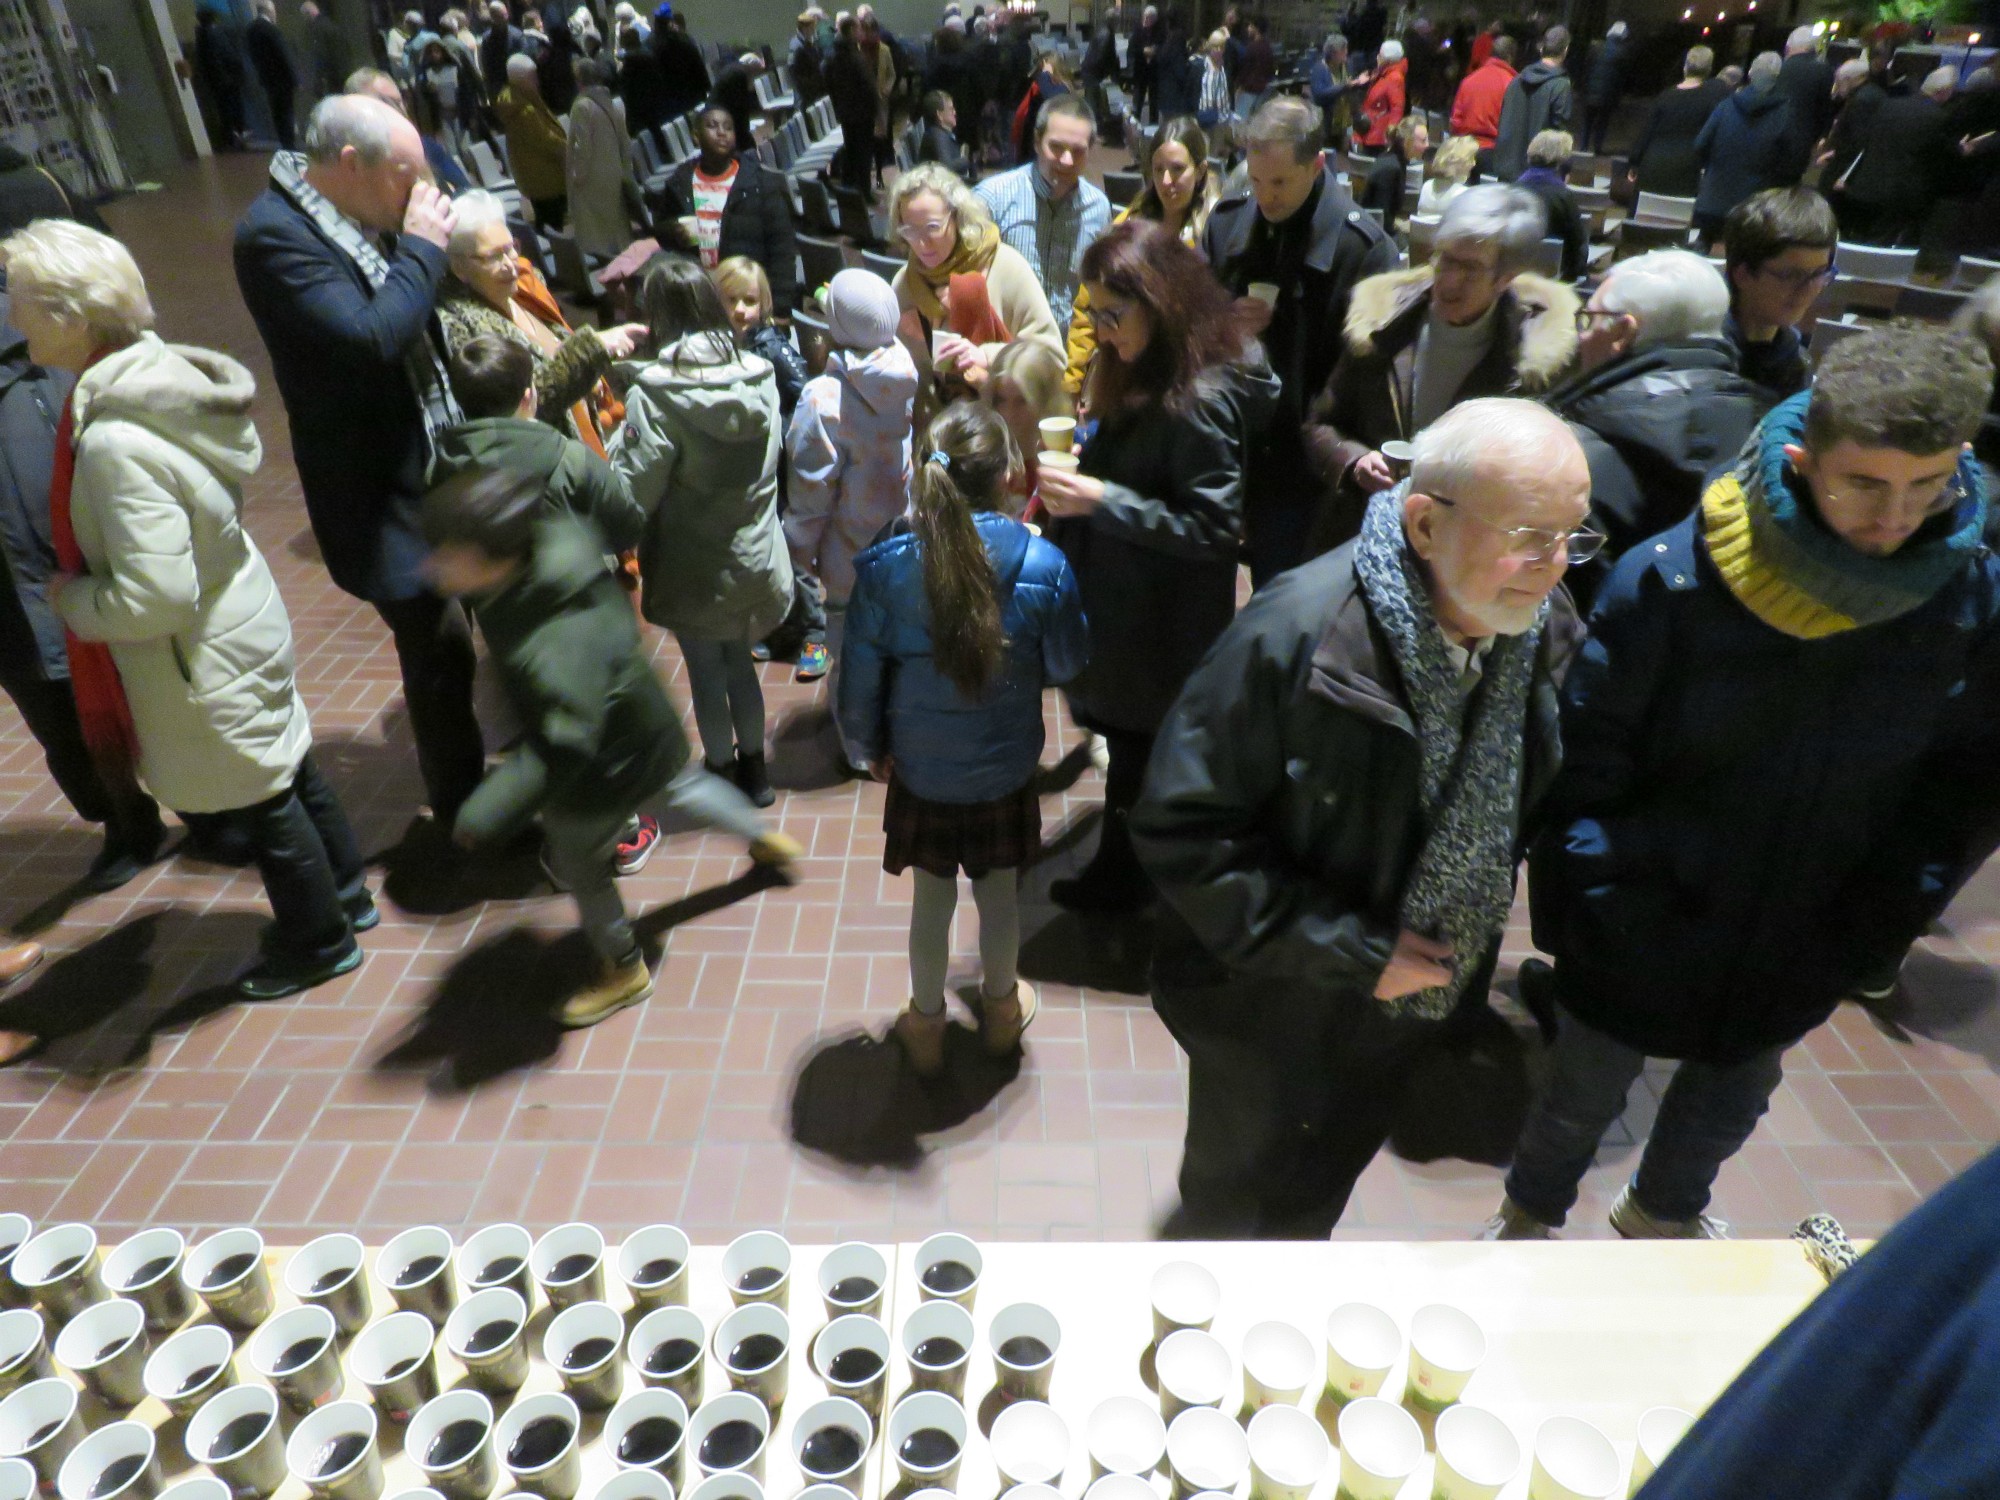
x: 1450, y: 171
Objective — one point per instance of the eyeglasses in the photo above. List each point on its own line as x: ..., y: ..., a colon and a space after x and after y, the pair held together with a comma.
x: 1537, y: 543
x: 1586, y: 317
x: 1798, y: 281
x: 1107, y: 317
x: 494, y: 259
x: 910, y: 234
x: 1885, y: 500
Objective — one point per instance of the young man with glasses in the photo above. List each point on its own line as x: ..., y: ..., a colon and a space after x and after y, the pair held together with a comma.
x: 1778, y: 748
x: 1779, y: 247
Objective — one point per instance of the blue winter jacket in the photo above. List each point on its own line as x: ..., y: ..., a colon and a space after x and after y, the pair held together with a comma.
x: 893, y: 699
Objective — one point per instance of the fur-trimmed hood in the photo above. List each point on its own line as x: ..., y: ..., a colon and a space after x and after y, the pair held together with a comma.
x: 1542, y: 313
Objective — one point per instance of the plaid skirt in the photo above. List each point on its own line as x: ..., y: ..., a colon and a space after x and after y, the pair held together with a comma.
x: 943, y: 838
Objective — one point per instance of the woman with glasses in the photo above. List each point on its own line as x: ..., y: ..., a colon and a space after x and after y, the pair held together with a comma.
x: 494, y: 289
x: 1153, y: 522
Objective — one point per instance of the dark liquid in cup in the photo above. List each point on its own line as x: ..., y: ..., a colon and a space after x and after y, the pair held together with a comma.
x: 853, y: 1366
x: 238, y: 1434
x: 831, y: 1450
x: 729, y: 1444
x: 759, y: 1279
x: 328, y: 1280
x: 571, y: 1267
x: 648, y: 1440
x: 110, y: 1349
x: 298, y: 1356
x: 1024, y: 1351
x: 490, y: 1336
x: 947, y: 1278
x: 852, y: 1291
x: 659, y: 1269
x: 337, y: 1453
x: 420, y: 1270
x: 228, y: 1269
x: 928, y: 1448
x: 150, y: 1272
x: 43, y: 1434
x: 194, y: 1380
x: 455, y: 1442
x: 938, y: 1353
x: 115, y: 1475
x: 401, y: 1368
x: 538, y: 1443
x: 57, y: 1273
x: 671, y: 1357
x: 757, y: 1352
x: 585, y: 1353
x: 506, y: 1268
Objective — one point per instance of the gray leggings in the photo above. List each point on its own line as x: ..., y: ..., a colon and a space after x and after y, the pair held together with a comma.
x: 997, y: 896
x: 728, y: 699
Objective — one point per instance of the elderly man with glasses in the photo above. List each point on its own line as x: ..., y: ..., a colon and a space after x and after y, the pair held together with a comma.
x: 1778, y: 750
x: 1333, y: 809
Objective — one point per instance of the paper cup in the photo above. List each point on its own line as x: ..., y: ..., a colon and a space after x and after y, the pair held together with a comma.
x: 236, y: 1434
x: 416, y: 1268
x: 718, y: 1414
x: 1477, y: 1455
x: 315, y: 1456
x: 1400, y: 456
x: 1265, y: 292
x: 928, y: 1334
x: 105, y: 1347
x: 227, y: 1271
x: 1193, y: 1369
x: 732, y: 1485
x: 941, y: 1264
x: 1058, y: 434
x: 24, y: 1349
x: 15, y: 1231
x: 757, y: 1267
x: 1025, y: 1340
x: 837, y: 1419
x: 852, y: 1278
x: 295, y: 1355
x: 146, y: 1270
x: 1573, y: 1461
x: 551, y: 1471
x: 1068, y: 462
x: 455, y: 1464
x: 1125, y: 1436
x: 1446, y: 1346
x: 1288, y: 1453
x: 498, y: 1256
x: 1030, y: 1444
x: 1362, y: 1343
x: 117, y: 1462
x: 653, y: 1264
x: 396, y: 1359
x: 191, y: 1367
x: 1380, y: 1447
x: 924, y: 1461
x: 1660, y: 1427
x: 58, y: 1268
x: 1185, y: 1295
x: 690, y: 226
x: 17, y: 1480
x: 648, y: 1430
x: 637, y: 1484
x: 1278, y: 1365
x: 487, y: 1333
x: 584, y: 1343
x: 40, y: 1423
x: 667, y: 1347
x: 842, y: 1355
x: 938, y: 337
x: 768, y: 1381
x: 1110, y: 1487
x: 568, y: 1265
x: 327, y: 1272
x: 1206, y: 1450
x: 200, y: 1487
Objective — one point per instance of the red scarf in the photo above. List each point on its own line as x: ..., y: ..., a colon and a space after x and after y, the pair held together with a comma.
x: 100, y: 697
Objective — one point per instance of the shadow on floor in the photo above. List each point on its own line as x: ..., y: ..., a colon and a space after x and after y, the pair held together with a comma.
x: 1098, y: 952
x: 1950, y: 998
x: 805, y: 751
x: 1469, y: 1098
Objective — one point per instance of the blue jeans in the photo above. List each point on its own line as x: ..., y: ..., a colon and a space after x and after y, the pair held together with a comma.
x: 1705, y: 1117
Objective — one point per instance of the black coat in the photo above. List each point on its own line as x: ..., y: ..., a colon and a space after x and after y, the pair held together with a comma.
x: 31, y: 398
x: 643, y: 88
x: 1746, y: 147
x: 1563, y: 219
x: 337, y: 351
x: 29, y: 192
x: 1664, y: 155
x: 735, y: 92
x: 1806, y: 80
x: 271, y: 59
x: 941, y: 146
x: 1850, y: 132
x: 1605, y: 80
x: 850, y: 82
x: 682, y: 69
x: 756, y: 221
x: 499, y: 44
x: 327, y: 54
x: 1903, y: 157
x: 1540, y: 98
x: 808, y: 72
x: 1281, y: 818
x: 1654, y: 425
x: 1384, y: 189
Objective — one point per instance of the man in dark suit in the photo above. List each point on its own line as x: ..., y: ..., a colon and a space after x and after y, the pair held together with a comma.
x: 1904, y: 154
x: 756, y: 214
x: 1806, y: 80
x: 350, y: 327
x: 271, y: 60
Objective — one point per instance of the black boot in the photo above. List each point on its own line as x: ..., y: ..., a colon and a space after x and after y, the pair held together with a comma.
x: 1537, y: 986
x: 754, y: 780
x: 1113, y: 881
x: 132, y: 839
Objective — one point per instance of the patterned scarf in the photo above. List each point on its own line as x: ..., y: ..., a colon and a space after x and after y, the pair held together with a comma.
x: 1462, y: 885
x: 428, y: 376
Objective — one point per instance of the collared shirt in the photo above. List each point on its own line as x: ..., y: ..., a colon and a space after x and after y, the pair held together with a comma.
x: 1050, y: 233
x: 1469, y: 662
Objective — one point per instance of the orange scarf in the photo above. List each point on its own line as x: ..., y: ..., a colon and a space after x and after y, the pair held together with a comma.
x: 603, y: 411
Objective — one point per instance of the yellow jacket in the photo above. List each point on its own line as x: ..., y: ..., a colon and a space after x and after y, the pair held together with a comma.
x: 537, y: 145
x: 1083, y: 332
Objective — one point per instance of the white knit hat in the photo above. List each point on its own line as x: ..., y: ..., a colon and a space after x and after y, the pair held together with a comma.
x: 861, y: 310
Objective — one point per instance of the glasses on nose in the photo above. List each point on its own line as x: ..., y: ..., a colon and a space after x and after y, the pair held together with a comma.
x: 1798, y: 281
x: 1107, y: 317
x: 1538, y: 544
x: 1883, y: 500
x: 1459, y: 265
x: 912, y: 234
x: 1586, y: 318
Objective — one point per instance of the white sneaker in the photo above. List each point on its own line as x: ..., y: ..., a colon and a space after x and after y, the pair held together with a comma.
x: 1514, y: 1222
x: 1634, y: 1223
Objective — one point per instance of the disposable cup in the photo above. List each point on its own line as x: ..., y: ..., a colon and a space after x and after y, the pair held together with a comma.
x: 1030, y: 1444
x: 146, y: 1270
x: 1446, y: 1346
x: 1206, y: 1450
x: 396, y: 1359
x: 1125, y: 1436
x: 1289, y: 1453
x: 1108, y: 1487
x: 637, y: 1484
x: 237, y: 1436
x: 416, y: 1268
x: 928, y: 1463
x: 189, y: 1368
x: 941, y: 1264
x: 1025, y: 1339
x: 327, y: 1272
x: 314, y: 1453
x: 585, y: 1343
x: 732, y: 1484
x: 1185, y: 1295
x: 1380, y: 1447
x: 24, y: 1349
x: 498, y: 1256
x: 1660, y: 1427
x: 732, y: 1348
x: 653, y: 1264
x: 1058, y: 434
x: 105, y: 1347
x: 119, y: 1461
x: 1265, y: 292
x: 932, y: 1328
x: 735, y: 1406
x: 835, y: 1412
x: 630, y: 1429
x: 456, y: 1469
x: 17, y: 1480
x: 1573, y: 1461
x: 850, y: 1341
x: 1193, y: 1369
x: 58, y: 1268
x: 757, y: 1267
x: 1066, y: 461
x: 41, y: 1423
x: 846, y: 1274
x: 228, y: 1272
x: 568, y: 1265
x: 1362, y: 1343
x: 1400, y: 455
x: 295, y: 1354
x: 499, y: 1369
x: 668, y: 1347
x: 15, y: 1231
x: 1278, y: 1364
x: 1477, y: 1455
x: 199, y: 1487
x: 554, y: 1474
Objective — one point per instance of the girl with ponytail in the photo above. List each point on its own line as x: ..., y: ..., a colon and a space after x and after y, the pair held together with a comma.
x: 959, y: 618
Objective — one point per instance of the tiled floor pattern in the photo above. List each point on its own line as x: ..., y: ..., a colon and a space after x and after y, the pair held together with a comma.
x: 429, y: 1087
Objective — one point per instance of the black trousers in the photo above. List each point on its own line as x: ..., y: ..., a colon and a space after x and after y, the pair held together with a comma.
x: 1124, y: 778
x: 48, y: 708
x: 434, y: 648
x: 312, y: 868
x: 283, y: 121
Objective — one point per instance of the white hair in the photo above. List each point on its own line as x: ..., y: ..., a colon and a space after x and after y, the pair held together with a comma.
x: 1852, y: 71
x: 358, y: 120
x: 520, y: 66
x: 1618, y: 29
x: 1802, y: 39
x: 1495, y: 214
x: 1981, y: 314
x: 1391, y: 51
x: 77, y: 275
x: 1765, y: 68
x: 476, y: 210
x: 1940, y: 83
x: 1473, y: 439
x: 1674, y: 295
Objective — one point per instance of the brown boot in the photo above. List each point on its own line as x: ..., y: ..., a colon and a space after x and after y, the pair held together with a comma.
x: 922, y: 1040
x: 1002, y: 1020
x: 778, y: 852
x: 17, y: 959
x: 617, y: 986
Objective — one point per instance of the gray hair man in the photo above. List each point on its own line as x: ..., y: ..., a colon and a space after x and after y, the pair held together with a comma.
x: 1332, y: 811
x: 1907, y: 146
x: 1474, y: 322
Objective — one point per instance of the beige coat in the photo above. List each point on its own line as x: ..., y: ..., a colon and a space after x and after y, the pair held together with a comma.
x: 598, y: 147
x: 1017, y: 297
x: 164, y: 442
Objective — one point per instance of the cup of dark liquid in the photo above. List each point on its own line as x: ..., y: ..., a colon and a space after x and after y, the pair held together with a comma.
x: 58, y: 1268
x: 1025, y: 1338
x: 537, y: 1443
x: 851, y: 1278
x: 757, y: 1267
x: 40, y: 1422
x: 948, y: 1267
x: 15, y: 1231
x: 146, y: 1269
x: 937, y: 1341
x: 636, y: 1484
x: 729, y: 1434
x: 831, y: 1440
x: 488, y: 1334
x: 295, y: 1354
x: 646, y: 1431
x: 666, y: 1345
x: 498, y: 1256
x: 927, y: 1437
x: 327, y: 1272
x: 105, y: 1347
x: 24, y: 1349
x: 416, y: 1268
x: 451, y: 1442
x: 236, y: 1434
x: 568, y: 1265
x: 732, y: 1486
x: 119, y: 1461
x: 653, y: 1264
x: 851, y: 1357
x: 333, y: 1453
x: 227, y: 1271
x: 189, y: 1368
x: 754, y: 1345
x: 583, y: 1344
x: 1399, y: 455
x: 18, y: 1481
x: 396, y: 1360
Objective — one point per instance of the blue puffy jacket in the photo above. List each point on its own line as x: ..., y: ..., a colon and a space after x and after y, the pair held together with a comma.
x: 893, y: 699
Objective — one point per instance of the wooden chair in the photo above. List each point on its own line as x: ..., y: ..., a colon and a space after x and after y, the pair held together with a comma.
x: 1423, y: 237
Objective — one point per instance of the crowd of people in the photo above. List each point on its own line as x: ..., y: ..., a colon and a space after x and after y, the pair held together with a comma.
x: 1613, y: 576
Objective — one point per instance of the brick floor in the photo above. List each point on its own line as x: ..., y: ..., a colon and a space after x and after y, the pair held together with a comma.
x: 429, y: 1086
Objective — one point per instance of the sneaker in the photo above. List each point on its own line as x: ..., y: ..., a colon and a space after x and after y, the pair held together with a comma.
x: 812, y: 662
x: 779, y: 852
x: 617, y: 987
x: 1002, y: 1020
x: 273, y: 980
x: 922, y: 1039
x: 637, y: 843
x: 760, y: 651
x: 1632, y: 1221
x: 755, y: 780
x: 363, y: 915
x: 1514, y: 1222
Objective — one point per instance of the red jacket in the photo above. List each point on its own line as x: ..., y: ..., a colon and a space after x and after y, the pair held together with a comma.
x: 1482, y: 48
x: 1383, y: 105
x: 1476, y: 110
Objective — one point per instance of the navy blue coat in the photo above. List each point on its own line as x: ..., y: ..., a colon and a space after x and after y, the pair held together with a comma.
x: 893, y: 699
x: 337, y: 348
x: 1746, y: 146
x: 1747, y: 822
